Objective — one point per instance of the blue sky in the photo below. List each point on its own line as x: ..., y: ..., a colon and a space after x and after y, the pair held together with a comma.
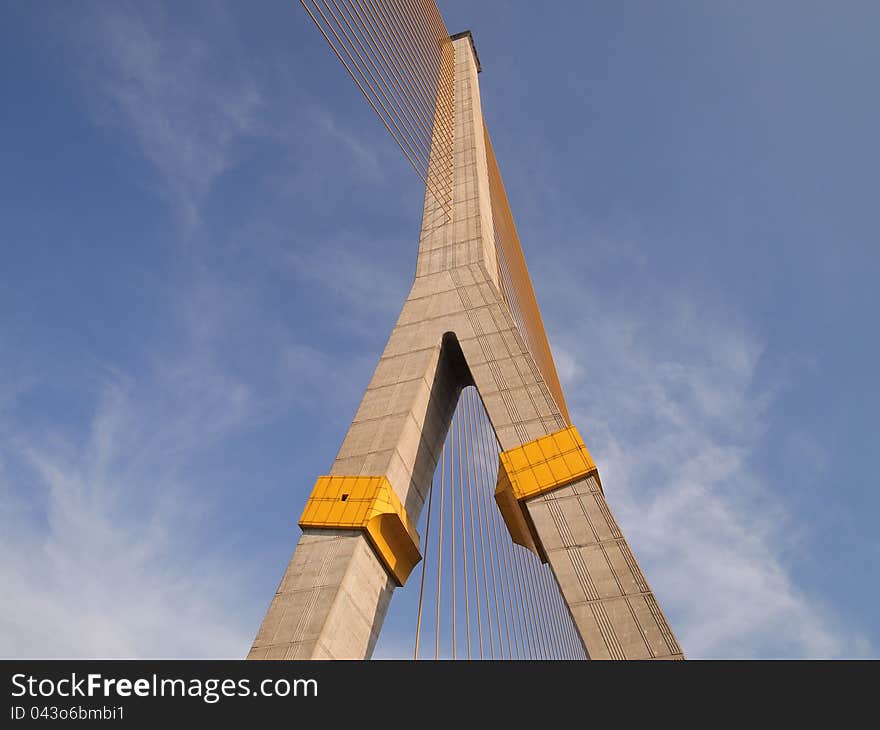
x: 206, y: 238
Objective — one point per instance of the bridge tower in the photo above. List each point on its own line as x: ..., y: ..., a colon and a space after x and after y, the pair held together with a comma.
x: 470, y: 325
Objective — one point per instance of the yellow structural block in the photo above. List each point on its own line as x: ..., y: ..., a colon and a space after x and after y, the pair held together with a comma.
x: 369, y: 504
x: 535, y: 468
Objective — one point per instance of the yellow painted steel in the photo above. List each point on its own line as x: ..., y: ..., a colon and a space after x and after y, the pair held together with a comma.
x: 366, y: 503
x: 535, y: 468
x: 516, y: 284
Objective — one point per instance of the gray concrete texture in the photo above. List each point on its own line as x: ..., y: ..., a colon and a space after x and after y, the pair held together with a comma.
x: 455, y: 330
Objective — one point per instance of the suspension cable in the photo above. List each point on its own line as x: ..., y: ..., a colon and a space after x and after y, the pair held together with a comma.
x: 440, y: 552
x: 424, y: 563
x: 463, y: 450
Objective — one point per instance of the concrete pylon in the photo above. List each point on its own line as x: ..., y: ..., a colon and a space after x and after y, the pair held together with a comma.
x: 455, y: 330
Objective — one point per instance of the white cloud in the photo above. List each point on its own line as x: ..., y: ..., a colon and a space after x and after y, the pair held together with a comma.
x: 188, y: 97
x: 671, y: 405
x: 100, y: 558
x: 181, y: 98
x: 363, y: 288
x: 108, y: 522
x: 326, y: 124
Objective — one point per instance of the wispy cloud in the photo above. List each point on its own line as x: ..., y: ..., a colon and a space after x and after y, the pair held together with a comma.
x: 182, y: 99
x: 109, y: 519
x: 327, y: 124
x: 358, y: 281
x: 109, y: 525
x: 101, y: 556
x: 670, y: 401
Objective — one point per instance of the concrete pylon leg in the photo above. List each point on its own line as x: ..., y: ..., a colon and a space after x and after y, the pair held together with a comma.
x: 334, y: 594
x: 331, y: 601
x: 606, y: 592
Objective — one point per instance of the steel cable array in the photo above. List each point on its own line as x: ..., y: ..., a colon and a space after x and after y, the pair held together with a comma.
x: 399, y: 54
x: 489, y: 598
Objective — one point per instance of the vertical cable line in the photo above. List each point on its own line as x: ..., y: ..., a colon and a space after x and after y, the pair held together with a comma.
x: 489, y: 510
x: 499, y: 527
x: 573, y: 646
x: 524, y: 611
x: 522, y: 556
x: 501, y: 576
x: 547, y: 619
x: 484, y: 462
x: 524, y: 627
x: 542, y: 612
x: 424, y: 563
x: 532, y: 619
x: 440, y: 552
x: 551, y: 593
x: 515, y: 605
x: 527, y: 608
x: 452, y: 455
x: 472, y: 482
x: 539, y: 602
x: 562, y: 618
x: 463, y: 452
x: 480, y: 488
x: 573, y: 639
x: 550, y: 644
x: 526, y: 631
x: 579, y: 651
x: 504, y: 579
